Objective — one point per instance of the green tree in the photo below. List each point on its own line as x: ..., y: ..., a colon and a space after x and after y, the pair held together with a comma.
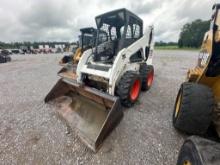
x: 192, y: 33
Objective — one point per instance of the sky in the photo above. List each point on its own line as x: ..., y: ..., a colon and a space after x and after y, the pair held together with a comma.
x: 60, y: 20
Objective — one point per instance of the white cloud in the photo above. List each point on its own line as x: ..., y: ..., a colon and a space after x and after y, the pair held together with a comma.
x: 44, y: 20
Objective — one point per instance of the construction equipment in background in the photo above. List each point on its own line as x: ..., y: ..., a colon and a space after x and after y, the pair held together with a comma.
x: 112, y: 73
x: 86, y: 41
x: 4, y: 56
x: 197, y: 107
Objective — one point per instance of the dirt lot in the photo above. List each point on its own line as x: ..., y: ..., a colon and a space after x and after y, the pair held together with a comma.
x: 32, y: 133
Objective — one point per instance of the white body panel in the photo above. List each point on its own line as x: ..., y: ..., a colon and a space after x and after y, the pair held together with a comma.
x: 121, y: 63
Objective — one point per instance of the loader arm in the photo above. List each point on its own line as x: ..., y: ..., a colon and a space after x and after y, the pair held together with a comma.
x: 77, y: 55
x: 123, y: 63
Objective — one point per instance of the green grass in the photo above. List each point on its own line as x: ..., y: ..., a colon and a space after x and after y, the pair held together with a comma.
x: 174, y: 47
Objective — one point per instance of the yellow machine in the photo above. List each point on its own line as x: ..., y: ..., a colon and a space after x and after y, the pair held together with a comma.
x: 77, y: 55
x: 86, y: 41
x: 197, y: 107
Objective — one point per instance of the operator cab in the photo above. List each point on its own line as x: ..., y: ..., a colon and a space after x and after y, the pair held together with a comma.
x: 87, y: 38
x: 116, y: 30
x: 214, y: 65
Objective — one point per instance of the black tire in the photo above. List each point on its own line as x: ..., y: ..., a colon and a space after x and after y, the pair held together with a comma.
x: 124, y: 88
x: 1, y: 59
x: 66, y: 59
x: 193, y: 112
x: 145, y: 72
x: 199, y: 151
x: 188, y: 154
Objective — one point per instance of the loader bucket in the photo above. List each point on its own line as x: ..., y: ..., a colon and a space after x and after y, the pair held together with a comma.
x: 91, y: 113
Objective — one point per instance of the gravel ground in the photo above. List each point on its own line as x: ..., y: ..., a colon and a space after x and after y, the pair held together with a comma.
x: 32, y: 133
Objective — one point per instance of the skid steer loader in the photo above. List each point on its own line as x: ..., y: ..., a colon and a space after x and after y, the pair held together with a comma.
x: 110, y: 74
x: 197, y: 107
x: 86, y: 41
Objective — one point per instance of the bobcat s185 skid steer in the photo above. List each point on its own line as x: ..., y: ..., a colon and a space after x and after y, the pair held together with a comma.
x: 197, y: 105
x: 111, y: 73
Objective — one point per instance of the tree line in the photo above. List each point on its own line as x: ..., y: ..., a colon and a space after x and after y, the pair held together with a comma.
x: 192, y: 33
x: 164, y: 44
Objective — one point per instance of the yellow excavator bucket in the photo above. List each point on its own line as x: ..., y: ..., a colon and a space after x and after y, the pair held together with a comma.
x: 93, y: 114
